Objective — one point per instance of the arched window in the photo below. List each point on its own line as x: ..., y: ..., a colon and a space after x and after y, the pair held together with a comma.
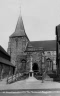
x: 49, y: 65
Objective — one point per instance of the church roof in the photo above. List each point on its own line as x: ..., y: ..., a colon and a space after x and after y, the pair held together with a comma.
x: 48, y: 45
x: 2, y: 50
x: 19, y: 31
x: 7, y: 62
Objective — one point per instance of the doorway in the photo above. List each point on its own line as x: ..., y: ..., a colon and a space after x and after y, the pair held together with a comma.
x: 35, y: 67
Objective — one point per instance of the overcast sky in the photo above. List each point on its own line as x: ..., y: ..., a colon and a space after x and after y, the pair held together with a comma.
x: 39, y: 16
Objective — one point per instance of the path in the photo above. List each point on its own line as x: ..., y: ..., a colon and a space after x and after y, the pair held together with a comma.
x: 26, y: 84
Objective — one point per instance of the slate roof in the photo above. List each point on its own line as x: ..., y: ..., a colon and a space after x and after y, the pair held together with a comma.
x: 2, y: 60
x: 31, y: 48
x: 2, y: 50
x: 48, y: 45
x: 20, y: 30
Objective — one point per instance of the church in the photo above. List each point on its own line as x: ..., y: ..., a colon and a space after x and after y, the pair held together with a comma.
x: 29, y: 55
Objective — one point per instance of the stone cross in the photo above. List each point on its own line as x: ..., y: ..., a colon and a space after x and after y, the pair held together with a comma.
x: 31, y: 66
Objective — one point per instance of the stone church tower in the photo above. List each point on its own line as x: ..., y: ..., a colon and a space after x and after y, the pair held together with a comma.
x: 17, y: 44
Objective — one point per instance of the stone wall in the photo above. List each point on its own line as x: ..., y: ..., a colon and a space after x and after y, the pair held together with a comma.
x: 17, y: 46
x: 36, y: 58
x: 52, y: 56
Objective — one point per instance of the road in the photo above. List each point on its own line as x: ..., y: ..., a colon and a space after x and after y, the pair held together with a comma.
x: 31, y: 94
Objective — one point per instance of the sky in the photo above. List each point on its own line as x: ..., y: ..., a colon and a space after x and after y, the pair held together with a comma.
x: 40, y: 17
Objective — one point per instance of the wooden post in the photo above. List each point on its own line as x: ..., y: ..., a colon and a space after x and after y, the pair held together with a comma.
x: 15, y: 77
x: 12, y: 77
x: 7, y: 79
x: 52, y: 65
x: 2, y: 74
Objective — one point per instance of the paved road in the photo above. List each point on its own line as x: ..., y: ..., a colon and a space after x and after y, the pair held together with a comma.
x: 31, y: 94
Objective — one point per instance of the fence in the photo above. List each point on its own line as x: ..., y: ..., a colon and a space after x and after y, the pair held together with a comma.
x: 15, y: 77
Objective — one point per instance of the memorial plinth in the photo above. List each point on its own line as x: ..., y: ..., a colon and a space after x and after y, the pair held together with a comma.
x: 31, y: 74
x: 31, y: 79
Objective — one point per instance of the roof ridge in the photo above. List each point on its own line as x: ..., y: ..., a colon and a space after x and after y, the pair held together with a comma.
x: 42, y: 40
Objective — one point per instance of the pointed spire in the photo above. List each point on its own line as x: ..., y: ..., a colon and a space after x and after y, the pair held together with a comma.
x: 19, y: 30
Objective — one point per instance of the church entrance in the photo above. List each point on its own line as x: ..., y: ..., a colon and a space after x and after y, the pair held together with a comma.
x: 35, y: 67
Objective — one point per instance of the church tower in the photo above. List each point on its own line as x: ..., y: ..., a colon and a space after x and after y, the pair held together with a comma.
x: 17, y: 43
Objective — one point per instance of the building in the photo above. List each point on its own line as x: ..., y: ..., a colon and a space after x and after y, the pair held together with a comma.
x: 58, y: 48
x: 6, y: 66
x: 29, y: 55
x: 49, y: 47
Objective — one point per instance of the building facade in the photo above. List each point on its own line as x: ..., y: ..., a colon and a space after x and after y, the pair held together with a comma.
x: 58, y: 48
x: 23, y: 52
x: 6, y: 67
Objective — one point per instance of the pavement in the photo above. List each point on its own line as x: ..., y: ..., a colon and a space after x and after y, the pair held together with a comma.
x: 29, y: 84
x: 31, y: 94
